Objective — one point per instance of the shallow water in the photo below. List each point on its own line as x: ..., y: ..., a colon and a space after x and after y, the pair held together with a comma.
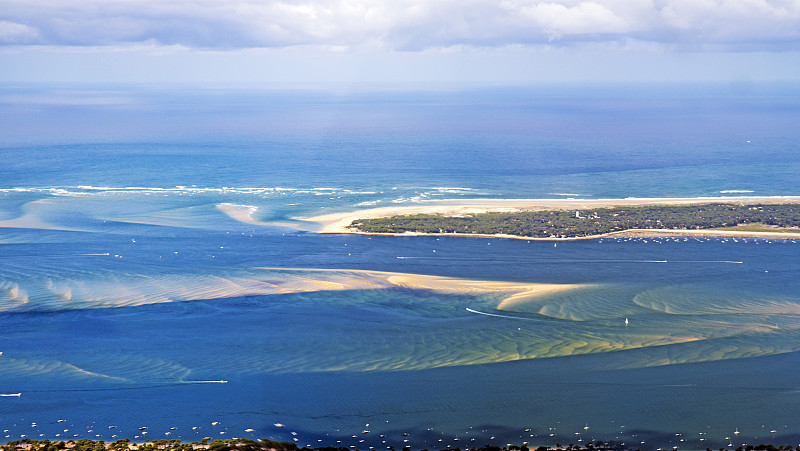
x: 127, y: 294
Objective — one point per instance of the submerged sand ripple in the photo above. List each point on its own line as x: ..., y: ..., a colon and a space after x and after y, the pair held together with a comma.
x: 390, y: 321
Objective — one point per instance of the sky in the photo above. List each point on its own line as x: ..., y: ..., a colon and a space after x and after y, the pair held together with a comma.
x: 287, y: 42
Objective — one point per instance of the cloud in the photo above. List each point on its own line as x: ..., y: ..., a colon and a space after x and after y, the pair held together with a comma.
x: 13, y: 33
x: 402, y: 24
x: 752, y: 23
x: 556, y: 20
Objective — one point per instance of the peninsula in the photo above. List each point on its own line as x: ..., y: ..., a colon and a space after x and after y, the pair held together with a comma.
x: 774, y: 217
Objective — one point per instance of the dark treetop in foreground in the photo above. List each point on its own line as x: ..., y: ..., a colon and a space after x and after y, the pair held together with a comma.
x: 596, y: 221
x: 242, y: 444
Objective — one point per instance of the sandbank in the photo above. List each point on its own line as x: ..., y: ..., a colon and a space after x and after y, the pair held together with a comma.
x: 337, y: 223
x: 247, y: 214
x: 343, y: 279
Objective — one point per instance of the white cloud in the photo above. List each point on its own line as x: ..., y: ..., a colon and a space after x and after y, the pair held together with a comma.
x: 731, y: 19
x: 556, y: 20
x: 402, y: 24
x: 13, y: 33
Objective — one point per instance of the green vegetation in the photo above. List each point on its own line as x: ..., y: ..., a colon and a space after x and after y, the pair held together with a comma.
x: 597, y: 221
x: 757, y: 227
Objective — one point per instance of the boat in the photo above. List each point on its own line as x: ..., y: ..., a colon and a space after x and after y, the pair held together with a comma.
x: 11, y: 394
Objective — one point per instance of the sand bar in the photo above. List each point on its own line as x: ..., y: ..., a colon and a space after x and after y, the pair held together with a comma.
x: 338, y: 222
x: 514, y: 293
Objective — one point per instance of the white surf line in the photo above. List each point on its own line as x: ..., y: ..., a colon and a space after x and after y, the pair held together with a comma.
x: 501, y: 316
x: 221, y: 381
x: 17, y: 395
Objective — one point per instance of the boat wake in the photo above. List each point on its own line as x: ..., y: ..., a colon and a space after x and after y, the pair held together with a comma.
x: 495, y: 315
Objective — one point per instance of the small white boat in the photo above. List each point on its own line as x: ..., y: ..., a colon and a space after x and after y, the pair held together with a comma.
x: 11, y: 394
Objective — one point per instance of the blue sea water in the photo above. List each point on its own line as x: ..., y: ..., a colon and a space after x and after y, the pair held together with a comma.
x: 130, y: 286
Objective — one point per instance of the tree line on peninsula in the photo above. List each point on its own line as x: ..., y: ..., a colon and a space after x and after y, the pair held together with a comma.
x: 590, y: 222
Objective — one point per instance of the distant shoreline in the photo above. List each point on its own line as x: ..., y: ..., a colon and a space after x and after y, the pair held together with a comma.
x: 337, y: 223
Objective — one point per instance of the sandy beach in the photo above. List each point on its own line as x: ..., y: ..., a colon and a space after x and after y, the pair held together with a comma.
x: 338, y: 222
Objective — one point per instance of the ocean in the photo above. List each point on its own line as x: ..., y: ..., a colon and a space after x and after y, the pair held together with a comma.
x: 158, y: 280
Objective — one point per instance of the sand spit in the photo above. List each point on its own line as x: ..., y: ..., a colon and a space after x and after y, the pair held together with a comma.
x: 248, y: 215
x: 518, y: 292
x: 84, y: 293
x: 31, y: 218
x: 338, y: 222
x: 241, y: 213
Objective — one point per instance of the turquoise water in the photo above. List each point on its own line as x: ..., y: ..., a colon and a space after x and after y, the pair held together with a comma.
x: 128, y: 289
